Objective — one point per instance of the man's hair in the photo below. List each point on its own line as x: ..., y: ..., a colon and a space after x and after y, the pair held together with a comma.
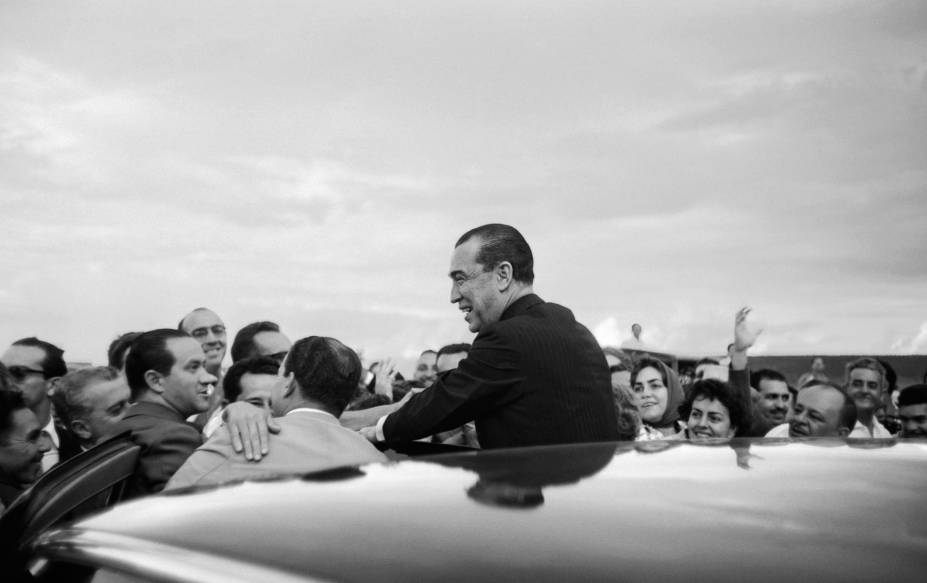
x: 913, y: 395
x: 766, y: 374
x: 231, y: 382
x: 10, y: 401
x: 243, y: 345
x: 6, y: 381
x: 327, y: 371
x: 454, y: 348
x: 115, y: 354
x: 67, y: 397
x: 200, y: 309
x: 890, y: 377
x: 428, y: 351
x: 866, y: 363
x: 707, y: 360
x: 53, y: 364
x: 847, y: 411
x: 149, y: 352
x: 500, y: 243
x: 713, y: 389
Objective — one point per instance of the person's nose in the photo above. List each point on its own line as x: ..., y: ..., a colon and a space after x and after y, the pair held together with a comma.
x: 455, y: 293
x: 207, y: 378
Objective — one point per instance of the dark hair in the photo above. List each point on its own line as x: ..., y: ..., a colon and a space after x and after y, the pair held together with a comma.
x: 912, y: 395
x: 149, y: 352
x: 706, y: 360
x: 766, y: 374
x: 454, y: 348
x: 500, y: 243
x: 243, y: 345
x: 890, y: 378
x: 713, y: 389
x: 327, y: 371
x: 115, y: 354
x: 10, y: 401
x: 428, y: 351
x: 67, y: 394
x: 53, y: 364
x: 231, y: 382
x: 6, y: 381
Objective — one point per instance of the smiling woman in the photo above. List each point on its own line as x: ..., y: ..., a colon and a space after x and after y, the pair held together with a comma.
x: 657, y: 394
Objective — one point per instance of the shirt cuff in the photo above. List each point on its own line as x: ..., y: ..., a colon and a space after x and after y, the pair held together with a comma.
x: 380, y: 422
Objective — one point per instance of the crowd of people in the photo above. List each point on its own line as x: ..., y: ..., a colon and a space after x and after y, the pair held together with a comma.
x: 532, y: 376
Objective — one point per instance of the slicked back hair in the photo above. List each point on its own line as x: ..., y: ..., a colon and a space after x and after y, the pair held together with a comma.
x: 500, y: 243
x: 149, y: 352
x: 231, y: 382
x: 327, y: 371
x: 68, y: 395
x: 53, y: 364
x: 10, y: 401
x: 869, y: 364
x: 454, y: 349
x: 115, y: 354
x: 243, y: 345
x: 766, y: 374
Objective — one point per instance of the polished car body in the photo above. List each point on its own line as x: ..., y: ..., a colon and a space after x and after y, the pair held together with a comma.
x: 742, y: 510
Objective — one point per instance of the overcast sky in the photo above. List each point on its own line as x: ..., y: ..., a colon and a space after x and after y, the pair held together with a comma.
x: 313, y: 163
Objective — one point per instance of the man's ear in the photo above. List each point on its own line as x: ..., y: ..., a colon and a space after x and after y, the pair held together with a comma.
x: 843, y: 431
x: 503, y: 273
x: 290, y: 385
x: 80, y: 428
x: 154, y: 379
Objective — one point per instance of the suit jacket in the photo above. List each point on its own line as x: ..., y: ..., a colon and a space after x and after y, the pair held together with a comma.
x: 535, y: 377
x: 167, y: 441
x: 308, y: 441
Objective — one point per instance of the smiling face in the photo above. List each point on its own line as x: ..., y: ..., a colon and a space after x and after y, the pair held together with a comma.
x: 913, y: 420
x: 25, y: 364
x: 774, y: 401
x: 186, y: 389
x: 709, y: 418
x: 426, y: 368
x: 474, y: 290
x: 21, y: 449
x: 650, y: 395
x: 261, y: 390
x: 865, y: 388
x: 816, y: 413
x: 209, y: 330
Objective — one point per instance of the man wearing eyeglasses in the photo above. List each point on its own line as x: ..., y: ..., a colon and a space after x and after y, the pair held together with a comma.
x: 208, y: 329
x: 22, y: 446
x: 35, y: 366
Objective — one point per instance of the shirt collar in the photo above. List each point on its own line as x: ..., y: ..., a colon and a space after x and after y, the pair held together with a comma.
x: 52, y: 432
x: 310, y: 410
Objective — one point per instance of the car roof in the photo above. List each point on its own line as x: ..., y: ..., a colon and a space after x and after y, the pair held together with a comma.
x: 767, y: 510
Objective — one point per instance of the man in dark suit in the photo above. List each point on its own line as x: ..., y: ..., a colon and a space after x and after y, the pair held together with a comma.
x: 166, y: 370
x: 533, y: 376
x: 321, y: 376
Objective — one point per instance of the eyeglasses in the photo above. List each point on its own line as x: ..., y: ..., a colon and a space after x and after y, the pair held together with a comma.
x: 19, y: 373
x: 217, y: 330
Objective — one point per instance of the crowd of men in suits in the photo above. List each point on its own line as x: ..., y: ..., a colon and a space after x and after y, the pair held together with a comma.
x: 533, y: 376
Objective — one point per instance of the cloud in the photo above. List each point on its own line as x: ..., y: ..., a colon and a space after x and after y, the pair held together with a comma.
x: 915, y: 345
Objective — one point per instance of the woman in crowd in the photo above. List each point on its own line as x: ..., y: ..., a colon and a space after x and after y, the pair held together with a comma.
x: 714, y: 409
x: 657, y: 396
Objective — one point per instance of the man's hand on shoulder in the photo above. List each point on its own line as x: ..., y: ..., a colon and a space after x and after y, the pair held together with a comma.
x: 249, y: 427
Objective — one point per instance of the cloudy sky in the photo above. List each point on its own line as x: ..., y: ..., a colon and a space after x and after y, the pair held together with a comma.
x: 313, y: 163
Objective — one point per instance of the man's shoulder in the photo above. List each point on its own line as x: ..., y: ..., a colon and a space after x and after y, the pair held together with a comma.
x: 154, y: 422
